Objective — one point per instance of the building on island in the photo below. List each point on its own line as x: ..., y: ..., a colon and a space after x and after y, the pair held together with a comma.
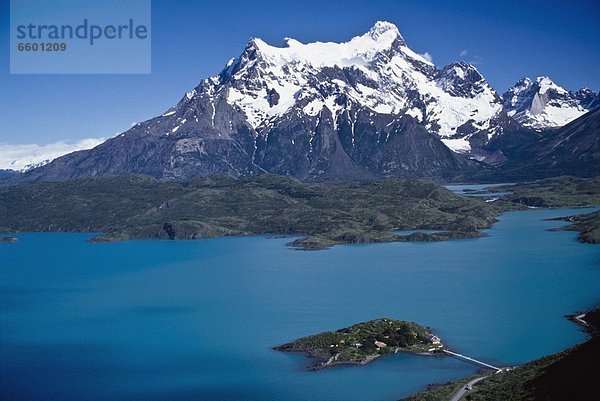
x: 433, y: 339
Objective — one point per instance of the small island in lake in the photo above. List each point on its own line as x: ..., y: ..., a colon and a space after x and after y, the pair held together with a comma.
x: 8, y: 239
x: 364, y: 342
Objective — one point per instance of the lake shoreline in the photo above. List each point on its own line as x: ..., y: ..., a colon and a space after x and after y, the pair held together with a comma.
x: 301, y: 243
x: 141, y: 288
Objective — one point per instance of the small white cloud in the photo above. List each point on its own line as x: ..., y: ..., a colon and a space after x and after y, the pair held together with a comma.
x: 427, y: 56
x: 463, y: 53
x: 476, y: 60
x: 21, y: 157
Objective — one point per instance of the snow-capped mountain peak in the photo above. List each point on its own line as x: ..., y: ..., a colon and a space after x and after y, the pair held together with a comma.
x: 358, y: 51
x: 360, y: 109
x: 385, y: 29
x: 589, y: 98
x: 545, y: 84
x: 462, y: 79
x: 542, y: 104
x: 374, y: 74
x: 376, y: 70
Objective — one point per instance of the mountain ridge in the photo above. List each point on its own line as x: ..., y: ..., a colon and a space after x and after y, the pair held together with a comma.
x: 541, y: 104
x: 363, y: 109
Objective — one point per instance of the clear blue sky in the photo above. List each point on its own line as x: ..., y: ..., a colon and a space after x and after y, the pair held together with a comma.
x: 192, y: 40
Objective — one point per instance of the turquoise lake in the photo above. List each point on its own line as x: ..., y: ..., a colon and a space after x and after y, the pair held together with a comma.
x: 196, y: 320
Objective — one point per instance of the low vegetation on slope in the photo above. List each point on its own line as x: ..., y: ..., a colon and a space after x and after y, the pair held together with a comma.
x: 567, y: 375
x: 322, y: 214
x: 588, y: 225
x: 363, y: 342
x: 562, y: 191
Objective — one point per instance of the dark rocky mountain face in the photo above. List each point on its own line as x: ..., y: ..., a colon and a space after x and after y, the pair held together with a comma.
x: 574, y: 148
x: 571, y: 150
x: 358, y: 145
x: 7, y: 173
x: 365, y: 109
x: 595, y: 103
